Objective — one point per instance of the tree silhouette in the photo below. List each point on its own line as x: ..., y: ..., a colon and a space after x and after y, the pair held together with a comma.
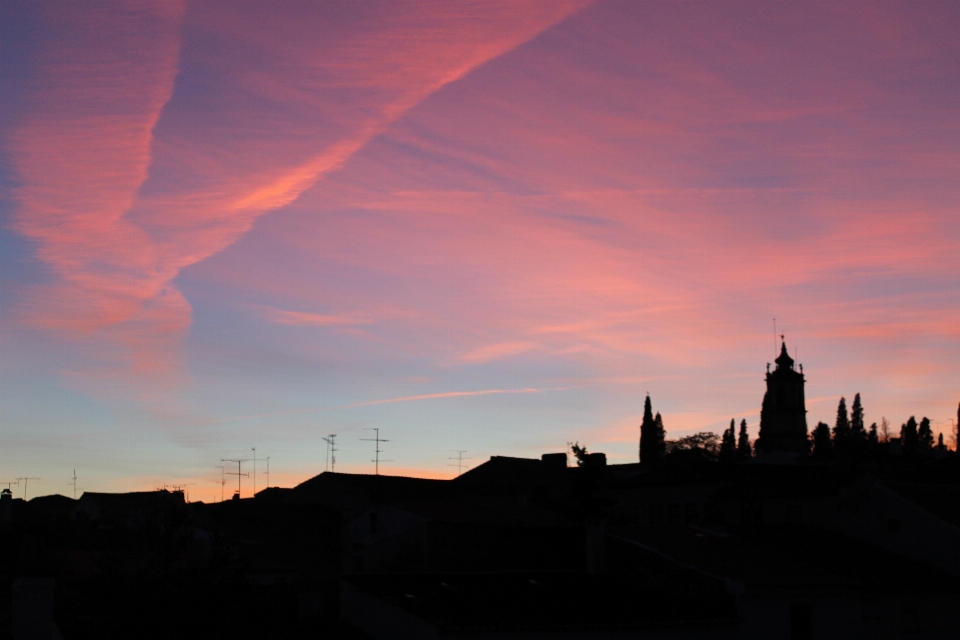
x: 925, y: 435
x: 743, y: 442
x: 872, y: 437
x: 940, y: 445
x: 841, y: 430
x: 661, y: 434
x: 908, y: 435
x: 858, y: 434
x: 956, y: 432
x: 728, y: 445
x: 821, y: 441
x: 651, y: 436
x: 705, y: 444
x: 580, y: 453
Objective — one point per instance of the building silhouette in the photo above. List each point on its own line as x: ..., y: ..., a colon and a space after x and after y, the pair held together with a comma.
x: 678, y: 545
x: 783, y: 416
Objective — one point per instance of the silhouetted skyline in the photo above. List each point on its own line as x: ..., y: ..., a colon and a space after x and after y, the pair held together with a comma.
x: 231, y: 226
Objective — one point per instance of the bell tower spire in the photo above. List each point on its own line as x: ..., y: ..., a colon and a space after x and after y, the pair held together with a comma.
x: 783, y: 416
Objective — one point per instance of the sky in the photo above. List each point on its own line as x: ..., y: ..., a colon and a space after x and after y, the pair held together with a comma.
x: 483, y: 227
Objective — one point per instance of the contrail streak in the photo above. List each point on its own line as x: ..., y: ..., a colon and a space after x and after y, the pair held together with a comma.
x: 368, y: 403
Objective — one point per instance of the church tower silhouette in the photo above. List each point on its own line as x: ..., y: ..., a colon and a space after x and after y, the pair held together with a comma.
x: 783, y: 417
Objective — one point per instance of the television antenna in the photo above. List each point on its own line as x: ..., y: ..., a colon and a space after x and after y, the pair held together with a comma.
x: 25, y: 480
x: 268, y: 472
x: 74, y: 483
x: 377, y: 450
x: 254, y: 449
x: 239, y: 461
x: 181, y: 488
x: 330, y: 462
x: 458, y: 458
x: 223, y: 480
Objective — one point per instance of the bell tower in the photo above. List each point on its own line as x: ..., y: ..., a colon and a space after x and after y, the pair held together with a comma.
x: 783, y: 417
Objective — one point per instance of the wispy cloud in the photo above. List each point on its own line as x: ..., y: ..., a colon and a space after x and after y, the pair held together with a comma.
x: 496, y: 351
x: 103, y: 109
x: 181, y: 424
x: 371, y: 403
x: 490, y: 196
x: 305, y: 318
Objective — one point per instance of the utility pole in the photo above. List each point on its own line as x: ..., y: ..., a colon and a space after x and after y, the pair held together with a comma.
x: 458, y: 458
x: 377, y: 450
x: 238, y: 474
x: 223, y: 481
x: 330, y: 462
x: 25, y: 480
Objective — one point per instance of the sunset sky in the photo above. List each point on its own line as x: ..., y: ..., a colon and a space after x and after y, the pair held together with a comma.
x: 480, y: 226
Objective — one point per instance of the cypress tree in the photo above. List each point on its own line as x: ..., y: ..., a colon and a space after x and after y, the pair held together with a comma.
x: 857, y: 432
x: 872, y: 437
x: 743, y: 443
x: 661, y: 437
x: 940, y: 445
x: 821, y: 441
x: 841, y: 430
x: 956, y: 432
x: 728, y: 445
x: 908, y: 435
x: 925, y: 435
x: 651, y: 436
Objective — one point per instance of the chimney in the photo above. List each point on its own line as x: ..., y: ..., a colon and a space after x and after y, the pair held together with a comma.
x: 595, y: 460
x: 6, y: 506
x: 554, y: 460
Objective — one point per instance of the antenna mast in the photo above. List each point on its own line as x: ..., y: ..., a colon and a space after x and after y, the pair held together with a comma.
x: 458, y: 458
x: 377, y: 450
x: 223, y: 481
x: 25, y: 480
x: 255, y: 458
x: 182, y: 488
x: 238, y: 474
x: 74, y: 483
x: 330, y: 462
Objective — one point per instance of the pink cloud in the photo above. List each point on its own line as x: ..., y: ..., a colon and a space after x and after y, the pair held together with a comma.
x: 303, y: 318
x: 619, y: 204
x: 496, y: 351
x: 647, y: 213
x: 82, y: 152
x: 256, y: 133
